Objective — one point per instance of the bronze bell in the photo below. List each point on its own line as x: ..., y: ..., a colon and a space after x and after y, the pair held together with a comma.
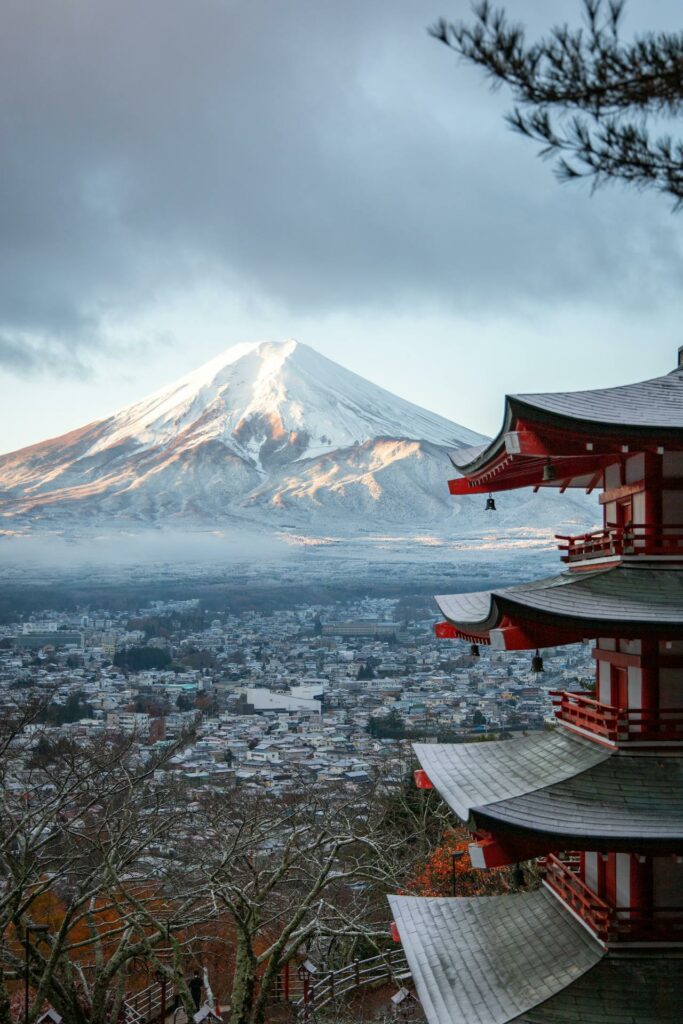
x: 474, y: 650
x: 537, y: 662
x: 490, y: 504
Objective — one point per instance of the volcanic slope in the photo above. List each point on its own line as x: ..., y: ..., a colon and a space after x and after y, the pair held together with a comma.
x: 269, y: 434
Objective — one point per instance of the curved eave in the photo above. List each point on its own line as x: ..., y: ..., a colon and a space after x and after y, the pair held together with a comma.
x: 470, y: 775
x: 578, y: 433
x: 618, y: 989
x: 611, y: 601
x: 555, y: 787
x: 476, y: 612
x: 490, y: 959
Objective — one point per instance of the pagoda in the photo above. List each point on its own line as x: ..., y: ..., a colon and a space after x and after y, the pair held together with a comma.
x: 599, y: 798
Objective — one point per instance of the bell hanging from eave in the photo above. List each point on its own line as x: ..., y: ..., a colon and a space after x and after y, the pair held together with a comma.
x: 537, y: 662
x: 549, y: 472
x: 490, y: 504
x: 474, y: 650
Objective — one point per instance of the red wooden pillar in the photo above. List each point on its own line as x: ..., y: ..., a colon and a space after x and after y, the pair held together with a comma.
x: 653, y: 489
x: 650, y: 674
x: 641, y: 894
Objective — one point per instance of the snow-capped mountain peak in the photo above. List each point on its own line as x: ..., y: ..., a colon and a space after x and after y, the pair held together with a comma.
x: 268, y: 435
x: 284, y: 393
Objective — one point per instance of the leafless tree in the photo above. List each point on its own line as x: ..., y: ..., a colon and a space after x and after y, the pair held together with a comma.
x: 126, y: 867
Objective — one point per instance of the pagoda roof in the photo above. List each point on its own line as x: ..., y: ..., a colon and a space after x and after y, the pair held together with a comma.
x: 637, y: 990
x: 471, y: 775
x: 576, y: 431
x: 600, y: 602
x: 490, y: 959
x: 655, y: 403
x: 556, y: 786
x: 523, y: 959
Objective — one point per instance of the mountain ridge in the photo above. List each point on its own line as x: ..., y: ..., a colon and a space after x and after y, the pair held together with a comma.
x: 268, y: 430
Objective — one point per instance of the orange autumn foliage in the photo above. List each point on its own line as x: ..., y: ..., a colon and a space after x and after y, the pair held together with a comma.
x: 435, y: 876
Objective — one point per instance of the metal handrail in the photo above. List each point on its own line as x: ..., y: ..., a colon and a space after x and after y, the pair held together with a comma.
x: 333, y: 984
x: 145, y: 1006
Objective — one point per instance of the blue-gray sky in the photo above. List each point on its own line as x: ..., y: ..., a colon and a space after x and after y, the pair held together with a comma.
x: 179, y: 176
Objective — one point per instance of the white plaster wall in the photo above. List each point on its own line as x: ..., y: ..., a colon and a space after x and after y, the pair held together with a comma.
x: 635, y: 687
x: 623, y: 879
x: 591, y: 871
x: 635, y: 468
x: 613, y: 475
x: 604, y: 683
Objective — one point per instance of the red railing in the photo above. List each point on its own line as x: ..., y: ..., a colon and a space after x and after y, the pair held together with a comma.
x: 581, y: 710
x: 650, y: 924
x: 618, y: 725
x: 615, y: 541
x: 561, y: 877
x: 613, y: 924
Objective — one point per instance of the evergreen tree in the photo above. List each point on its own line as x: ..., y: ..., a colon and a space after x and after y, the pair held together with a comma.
x: 594, y: 102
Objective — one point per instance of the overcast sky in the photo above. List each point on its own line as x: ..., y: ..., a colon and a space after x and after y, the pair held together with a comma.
x: 181, y: 175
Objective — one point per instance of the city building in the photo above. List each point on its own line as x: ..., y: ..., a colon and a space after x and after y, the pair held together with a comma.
x: 600, y: 797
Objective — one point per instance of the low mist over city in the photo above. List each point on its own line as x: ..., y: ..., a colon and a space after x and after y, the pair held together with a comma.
x: 341, y: 512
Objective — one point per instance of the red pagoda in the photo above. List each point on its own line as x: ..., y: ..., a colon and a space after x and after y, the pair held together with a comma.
x: 600, y: 797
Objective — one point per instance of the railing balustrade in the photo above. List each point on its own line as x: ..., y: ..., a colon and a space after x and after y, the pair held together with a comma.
x: 332, y: 985
x: 611, y: 924
x: 618, y: 725
x: 615, y: 541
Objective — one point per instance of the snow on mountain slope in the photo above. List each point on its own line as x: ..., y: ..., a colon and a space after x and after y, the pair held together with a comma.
x: 283, y: 393
x: 269, y: 433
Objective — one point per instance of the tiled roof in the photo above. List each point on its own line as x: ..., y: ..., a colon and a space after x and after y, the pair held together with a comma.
x: 468, y: 775
x: 625, y: 797
x: 489, y: 959
x: 560, y: 785
x: 638, y: 990
x: 624, y: 593
x: 649, y: 403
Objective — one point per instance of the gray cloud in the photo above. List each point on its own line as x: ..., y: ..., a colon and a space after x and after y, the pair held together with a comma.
x: 26, y: 357
x: 324, y: 155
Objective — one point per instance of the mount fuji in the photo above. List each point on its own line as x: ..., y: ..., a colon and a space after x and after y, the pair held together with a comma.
x: 268, y: 436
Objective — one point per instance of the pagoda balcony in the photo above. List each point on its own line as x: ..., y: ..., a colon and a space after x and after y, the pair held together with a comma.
x: 562, y: 877
x: 610, y: 924
x: 618, y: 726
x: 623, y: 541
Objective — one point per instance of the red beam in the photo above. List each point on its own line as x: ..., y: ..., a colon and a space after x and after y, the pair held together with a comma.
x: 447, y: 631
x: 494, y: 852
x: 617, y: 658
x: 528, y: 471
x: 532, y: 635
x: 422, y: 780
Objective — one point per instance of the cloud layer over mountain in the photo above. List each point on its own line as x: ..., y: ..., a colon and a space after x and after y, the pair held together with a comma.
x: 320, y: 155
